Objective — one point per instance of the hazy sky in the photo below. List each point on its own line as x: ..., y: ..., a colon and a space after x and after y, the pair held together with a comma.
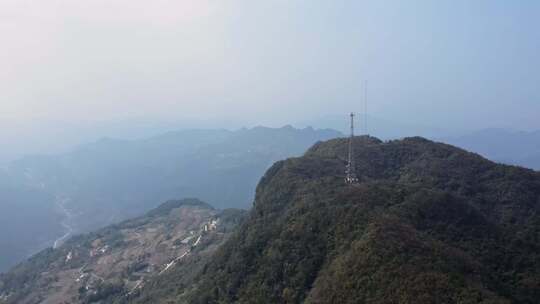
x: 442, y: 63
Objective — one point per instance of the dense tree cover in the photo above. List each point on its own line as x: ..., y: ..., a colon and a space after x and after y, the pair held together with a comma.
x: 429, y: 223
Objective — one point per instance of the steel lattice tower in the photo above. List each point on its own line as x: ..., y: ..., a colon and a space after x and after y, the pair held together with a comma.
x: 350, y: 170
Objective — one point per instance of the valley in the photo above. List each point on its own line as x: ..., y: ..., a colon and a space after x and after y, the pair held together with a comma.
x: 111, y: 180
x: 68, y: 217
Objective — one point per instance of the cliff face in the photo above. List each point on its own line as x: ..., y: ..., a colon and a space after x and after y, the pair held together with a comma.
x: 428, y: 223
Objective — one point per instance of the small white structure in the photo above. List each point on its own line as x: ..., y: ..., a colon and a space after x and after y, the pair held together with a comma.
x: 211, y: 226
x: 69, y: 256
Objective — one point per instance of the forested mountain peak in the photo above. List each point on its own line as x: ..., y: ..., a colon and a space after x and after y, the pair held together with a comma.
x: 428, y: 223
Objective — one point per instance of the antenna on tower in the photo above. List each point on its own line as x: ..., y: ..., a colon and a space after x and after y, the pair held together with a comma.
x: 366, y: 107
x: 350, y: 170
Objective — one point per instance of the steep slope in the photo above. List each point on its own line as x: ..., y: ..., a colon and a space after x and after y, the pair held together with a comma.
x: 429, y: 223
x: 118, y: 260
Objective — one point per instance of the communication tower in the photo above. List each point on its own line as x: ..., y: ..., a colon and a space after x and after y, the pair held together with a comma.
x: 350, y: 170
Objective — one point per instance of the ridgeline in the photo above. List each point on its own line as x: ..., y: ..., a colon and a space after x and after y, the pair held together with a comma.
x: 427, y: 223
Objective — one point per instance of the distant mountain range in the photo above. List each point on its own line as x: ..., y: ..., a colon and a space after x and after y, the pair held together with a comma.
x: 112, y: 180
x: 384, y: 129
x: 427, y: 223
x: 503, y: 145
x: 498, y: 144
x: 47, y: 199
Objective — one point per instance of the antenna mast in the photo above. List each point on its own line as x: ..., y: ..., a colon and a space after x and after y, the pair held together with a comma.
x: 366, y: 108
x: 350, y: 170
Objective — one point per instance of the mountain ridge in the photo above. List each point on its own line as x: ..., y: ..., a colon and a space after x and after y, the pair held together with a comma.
x: 429, y: 223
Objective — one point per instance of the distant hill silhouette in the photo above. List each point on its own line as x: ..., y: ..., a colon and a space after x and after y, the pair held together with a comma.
x: 112, y: 180
x: 503, y: 145
x: 379, y: 127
